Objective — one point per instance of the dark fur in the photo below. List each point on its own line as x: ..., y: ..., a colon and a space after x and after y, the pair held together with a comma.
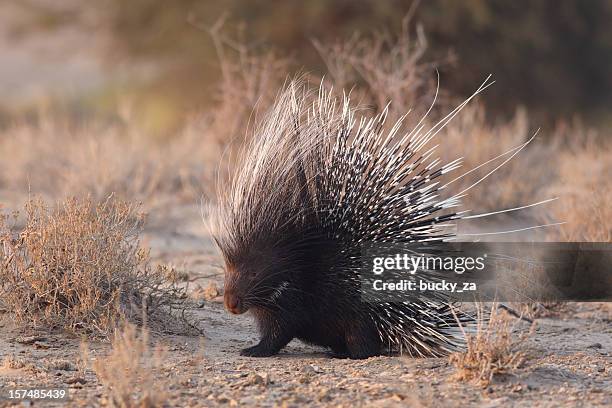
x: 321, y: 303
x: 317, y: 306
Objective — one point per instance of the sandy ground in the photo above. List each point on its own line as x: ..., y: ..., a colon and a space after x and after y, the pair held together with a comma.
x: 569, y: 355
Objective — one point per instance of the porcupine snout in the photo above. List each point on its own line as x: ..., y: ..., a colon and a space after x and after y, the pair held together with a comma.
x: 233, y: 303
x: 235, y: 290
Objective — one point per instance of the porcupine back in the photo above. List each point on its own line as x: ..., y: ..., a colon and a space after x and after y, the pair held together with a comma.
x: 315, y: 183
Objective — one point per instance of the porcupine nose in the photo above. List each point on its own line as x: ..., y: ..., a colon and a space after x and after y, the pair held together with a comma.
x: 233, y: 303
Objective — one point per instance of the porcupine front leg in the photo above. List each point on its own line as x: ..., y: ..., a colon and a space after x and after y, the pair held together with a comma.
x: 274, y: 336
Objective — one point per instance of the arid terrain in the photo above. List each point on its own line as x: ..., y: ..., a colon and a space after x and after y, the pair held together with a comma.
x: 568, y: 358
x: 67, y: 300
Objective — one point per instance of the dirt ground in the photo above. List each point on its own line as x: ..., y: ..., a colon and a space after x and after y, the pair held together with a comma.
x: 569, y: 360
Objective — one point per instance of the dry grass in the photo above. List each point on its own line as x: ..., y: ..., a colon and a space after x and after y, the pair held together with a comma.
x: 128, y: 372
x: 494, y: 348
x: 13, y: 363
x: 384, y: 67
x: 250, y: 80
x: 60, y: 159
x: 79, y: 266
x: 585, y: 188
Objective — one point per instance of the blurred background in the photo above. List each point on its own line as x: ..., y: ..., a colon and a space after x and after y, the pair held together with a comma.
x: 84, y: 58
x: 143, y: 98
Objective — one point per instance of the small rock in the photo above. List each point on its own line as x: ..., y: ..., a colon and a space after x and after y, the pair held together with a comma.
x: 211, y: 291
x: 248, y: 402
x: 324, y: 395
x: 27, y: 340
x: 517, y: 388
x: 224, y: 399
x: 311, y: 369
x: 307, y: 369
x: 62, y: 365
x: 594, y: 346
x: 398, y: 397
x: 42, y: 346
x: 259, y: 379
x: 76, y: 380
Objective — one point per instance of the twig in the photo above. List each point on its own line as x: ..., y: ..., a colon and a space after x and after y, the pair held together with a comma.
x: 514, y: 313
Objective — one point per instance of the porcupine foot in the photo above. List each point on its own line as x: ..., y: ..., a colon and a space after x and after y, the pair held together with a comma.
x: 273, y: 338
x: 258, y: 350
x: 338, y: 351
x: 267, y: 346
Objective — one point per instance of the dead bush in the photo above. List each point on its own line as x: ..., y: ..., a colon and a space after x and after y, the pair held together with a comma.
x: 59, y: 160
x: 79, y: 266
x: 250, y: 79
x: 493, y: 348
x: 128, y: 372
x: 384, y: 67
x: 584, y: 187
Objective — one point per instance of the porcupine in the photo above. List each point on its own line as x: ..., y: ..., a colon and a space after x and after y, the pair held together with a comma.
x: 313, y: 184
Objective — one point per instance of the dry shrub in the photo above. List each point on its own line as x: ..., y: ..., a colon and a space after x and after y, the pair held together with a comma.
x: 59, y: 159
x: 250, y: 78
x: 384, y: 67
x: 520, y: 181
x: 493, y: 349
x: 588, y: 216
x: 128, y: 372
x: 79, y: 266
x: 584, y: 187
x: 566, y: 162
x: 12, y: 362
